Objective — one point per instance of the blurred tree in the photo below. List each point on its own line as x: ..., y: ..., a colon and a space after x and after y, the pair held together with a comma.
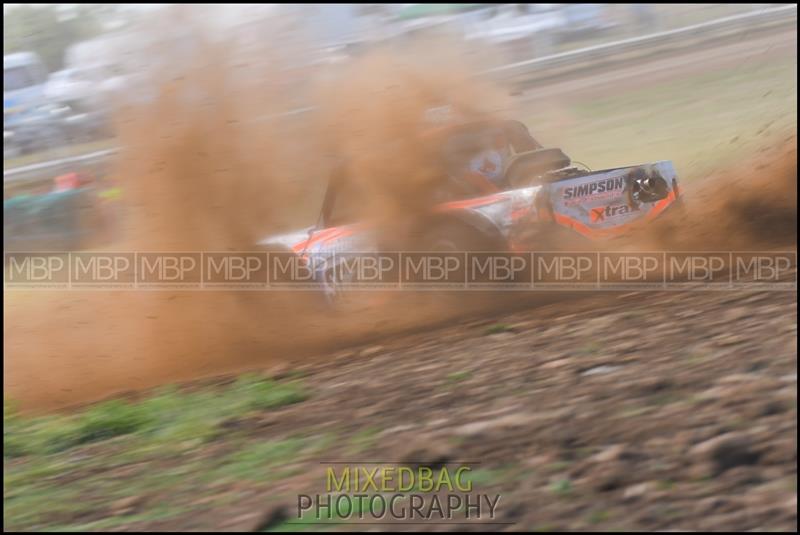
x: 50, y: 29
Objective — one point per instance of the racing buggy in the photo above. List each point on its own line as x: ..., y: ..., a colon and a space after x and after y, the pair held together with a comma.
x: 543, y: 203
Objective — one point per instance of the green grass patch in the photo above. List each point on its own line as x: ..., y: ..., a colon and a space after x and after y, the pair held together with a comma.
x: 590, y: 349
x: 634, y: 412
x: 665, y: 484
x: 597, y: 517
x: 562, y: 487
x: 363, y: 440
x: 258, y: 462
x: 111, y: 419
x: 695, y: 359
x: 498, y: 328
x: 264, y: 393
x: 168, y: 417
x: 63, y: 470
x: 458, y: 377
x: 483, y: 477
x: 546, y: 528
x: 663, y: 399
x: 52, y: 434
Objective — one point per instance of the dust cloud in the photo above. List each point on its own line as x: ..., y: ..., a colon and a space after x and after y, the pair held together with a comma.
x: 750, y: 205
x: 211, y: 163
x: 379, y: 114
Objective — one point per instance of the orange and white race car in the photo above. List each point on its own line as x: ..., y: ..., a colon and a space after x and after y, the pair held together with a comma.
x: 538, y: 201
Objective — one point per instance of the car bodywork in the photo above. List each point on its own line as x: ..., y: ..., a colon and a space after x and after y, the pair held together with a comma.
x: 548, y: 195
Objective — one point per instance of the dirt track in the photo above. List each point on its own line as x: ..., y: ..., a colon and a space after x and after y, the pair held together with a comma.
x: 684, y: 418
x: 637, y: 411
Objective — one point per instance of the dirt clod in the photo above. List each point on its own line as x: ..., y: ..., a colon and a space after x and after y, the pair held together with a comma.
x: 727, y: 451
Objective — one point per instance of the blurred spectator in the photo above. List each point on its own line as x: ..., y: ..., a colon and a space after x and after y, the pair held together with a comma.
x: 66, y: 182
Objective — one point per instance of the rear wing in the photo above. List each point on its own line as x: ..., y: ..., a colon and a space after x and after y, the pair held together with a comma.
x: 606, y: 203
